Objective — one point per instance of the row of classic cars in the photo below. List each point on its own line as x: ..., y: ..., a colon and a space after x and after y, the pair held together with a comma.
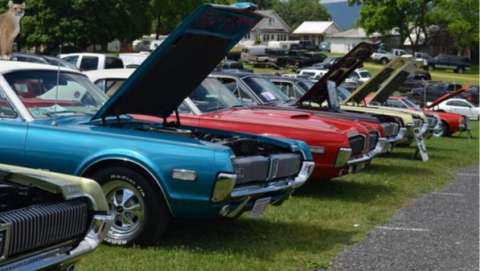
x: 162, y: 147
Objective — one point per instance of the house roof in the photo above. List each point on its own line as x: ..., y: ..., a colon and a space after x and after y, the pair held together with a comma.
x: 316, y: 28
x: 271, y: 23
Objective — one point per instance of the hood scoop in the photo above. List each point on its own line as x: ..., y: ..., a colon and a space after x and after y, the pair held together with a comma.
x: 173, y: 71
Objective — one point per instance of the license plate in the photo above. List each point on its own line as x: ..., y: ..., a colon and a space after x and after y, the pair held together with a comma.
x: 259, y: 207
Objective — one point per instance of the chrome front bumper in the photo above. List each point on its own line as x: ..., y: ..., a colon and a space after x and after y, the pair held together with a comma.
x: 399, y: 137
x: 61, y: 258
x: 248, y: 192
x: 302, y: 177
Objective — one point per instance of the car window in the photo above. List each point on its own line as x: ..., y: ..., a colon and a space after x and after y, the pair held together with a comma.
x: 287, y: 88
x: 71, y: 59
x: 89, y: 63
x: 240, y: 93
x: 6, y: 109
x: 113, y: 63
x: 45, y: 93
x: 395, y: 103
x: 112, y: 85
x: 458, y: 103
x: 265, y: 90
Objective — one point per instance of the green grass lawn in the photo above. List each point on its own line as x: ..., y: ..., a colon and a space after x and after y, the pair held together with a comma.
x: 308, y: 231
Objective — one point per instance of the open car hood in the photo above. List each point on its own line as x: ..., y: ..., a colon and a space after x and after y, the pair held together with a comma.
x: 338, y: 73
x: 181, y: 62
x: 446, y: 97
x: 399, y: 70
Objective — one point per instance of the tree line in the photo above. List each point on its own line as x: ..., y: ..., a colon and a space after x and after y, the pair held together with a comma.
x: 49, y: 24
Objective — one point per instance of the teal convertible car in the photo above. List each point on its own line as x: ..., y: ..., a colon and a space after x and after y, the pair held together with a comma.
x: 54, y: 118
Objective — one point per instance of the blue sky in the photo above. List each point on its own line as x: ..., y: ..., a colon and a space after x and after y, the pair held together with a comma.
x: 342, y: 14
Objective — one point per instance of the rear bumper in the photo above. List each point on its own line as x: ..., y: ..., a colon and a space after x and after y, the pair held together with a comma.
x: 278, y: 190
x: 62, y: 257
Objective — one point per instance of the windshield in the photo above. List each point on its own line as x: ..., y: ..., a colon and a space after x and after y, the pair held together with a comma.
x: 47, y: 93
x: 364, y: 74
x: 410, y: 103
x: 305, y: 85
x: 266, y: 90
x: 212, y: 95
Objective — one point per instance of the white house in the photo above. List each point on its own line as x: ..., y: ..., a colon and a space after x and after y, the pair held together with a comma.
x: 271, y: 28
x: 343, y: 42
x: 315, y: 31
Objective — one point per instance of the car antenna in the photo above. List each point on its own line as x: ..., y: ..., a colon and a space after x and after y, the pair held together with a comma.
x: 58, y: 82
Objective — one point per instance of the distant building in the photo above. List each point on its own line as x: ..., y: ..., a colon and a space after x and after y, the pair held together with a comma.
x: 315, y: 31
x: 343, y: 42
x: 270, y: 28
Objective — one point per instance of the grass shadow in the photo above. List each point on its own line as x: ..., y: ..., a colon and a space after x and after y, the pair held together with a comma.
x: 398, y: 170
x: 251, y: 237
x: 342, y: 190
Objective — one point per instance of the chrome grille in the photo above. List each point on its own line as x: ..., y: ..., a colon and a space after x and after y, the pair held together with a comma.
x: 262, y: 168
x: 432, y: 121
x: 373, y: 141
x: 391, y: 129
x: 43, y: 225
x: 357, y: 143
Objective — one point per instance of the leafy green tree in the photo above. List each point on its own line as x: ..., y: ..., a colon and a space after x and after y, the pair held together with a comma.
x: 410, y: 18
x: 295, y: 12
x: 460, y: 18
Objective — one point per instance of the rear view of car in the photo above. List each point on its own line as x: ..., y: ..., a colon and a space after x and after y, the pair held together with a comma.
x: 48, y: 220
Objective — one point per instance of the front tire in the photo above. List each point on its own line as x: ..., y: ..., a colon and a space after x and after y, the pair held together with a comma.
x: 384, y: 61
x: 141, y: 214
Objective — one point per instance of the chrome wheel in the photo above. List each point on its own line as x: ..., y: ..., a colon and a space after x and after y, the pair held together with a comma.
x: 439, y: 132
x: 128, y: 207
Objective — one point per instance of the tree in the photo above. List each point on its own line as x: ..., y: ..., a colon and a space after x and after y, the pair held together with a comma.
x: 54, y: 23
x: 296, y: 12
x: 460, y: 19
x: 410, y: 18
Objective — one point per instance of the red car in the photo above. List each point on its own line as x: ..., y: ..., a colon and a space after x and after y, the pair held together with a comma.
x: 339, y: 146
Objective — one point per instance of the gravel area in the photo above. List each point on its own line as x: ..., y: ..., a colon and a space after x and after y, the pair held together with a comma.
x: 439, y: 231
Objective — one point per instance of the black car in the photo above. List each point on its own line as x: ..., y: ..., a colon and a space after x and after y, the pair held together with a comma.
x: 432, y: 91
x: 327, y: 63
x: 230, y: 65
x: 300, y: 58
x: 457, y: 63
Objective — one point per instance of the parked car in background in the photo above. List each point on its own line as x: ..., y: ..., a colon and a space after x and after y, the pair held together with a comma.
x: 451, y: 123
x: 42, y: 59
x: 312, y: 73
x: 150, y: 172
x: 426, y: 93
x: 420, y: 57
x: 459, y: 106
x: 48, y: 220
x: 133, y: 60
x: 300, y: 58
x: 91, y: 61
x: 324, y: 46
x: 457, y: 63
x: 359, y: 75
x: 230, y: 65
x: 212, y: 105
x: 383, y: 56
x: 471, y: 94
x: 327, y: 63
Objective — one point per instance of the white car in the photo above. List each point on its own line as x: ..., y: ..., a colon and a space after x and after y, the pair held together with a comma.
x: 314, y: 74
x: 359, y: 75
x: 92, y: 61
x: 109, y: 81
x: 460, y: 106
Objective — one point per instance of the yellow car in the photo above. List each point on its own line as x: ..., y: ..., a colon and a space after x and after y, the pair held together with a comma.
x: 415, y: 122
x: 49, y: 220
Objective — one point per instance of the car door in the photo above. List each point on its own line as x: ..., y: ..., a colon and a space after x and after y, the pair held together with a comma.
x: 13, y: 130
x: 460, y: 107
